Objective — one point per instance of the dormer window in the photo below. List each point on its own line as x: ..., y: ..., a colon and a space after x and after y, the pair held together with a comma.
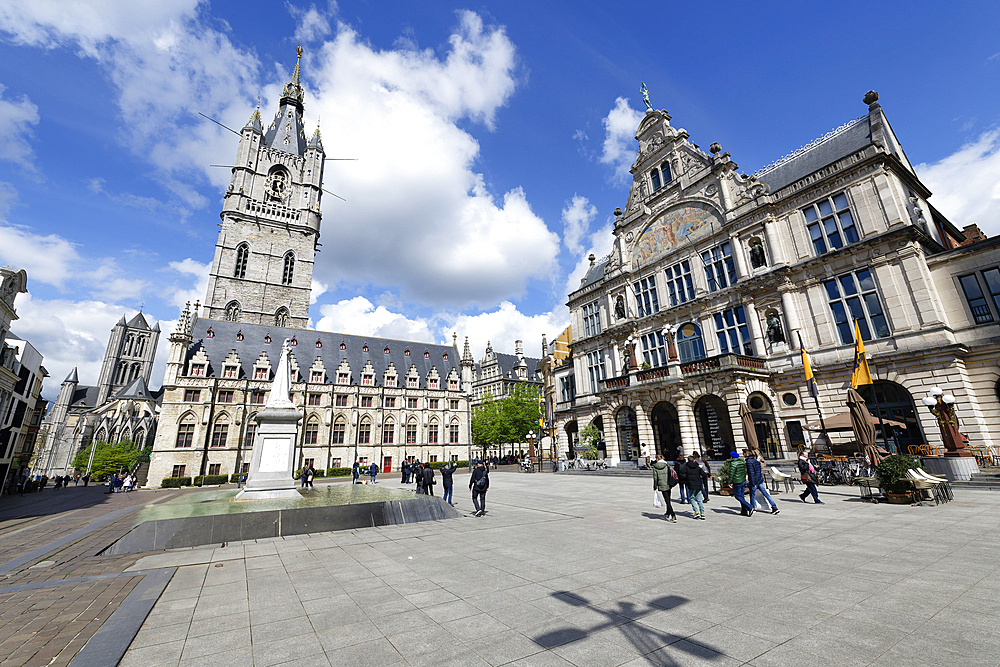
x: 364, y: 348
x: 210, y: 333
x: 316, y: 376
x: 319, y: 343
x: 445, y: 356
x: 433, y: 383
x: 259, y: 373
x: 231, y: 372
x: 427, y: 354
x: 406, y: 352
x: 343, y: 345
x: 413, y: 383
x: 198, y: 370
x: 386, y: 350
x: 390, y: 380
x: 453, y: 384
x: 368, y: 380
x: 293, y: 342
x: 239, y: 335
x: 267, y: 339
x: 342, y: 378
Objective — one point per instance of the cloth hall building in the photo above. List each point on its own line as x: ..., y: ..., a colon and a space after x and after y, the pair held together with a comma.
x: 361, y: 397
x: 715, y: 277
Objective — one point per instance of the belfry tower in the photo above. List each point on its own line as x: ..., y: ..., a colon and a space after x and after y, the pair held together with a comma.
x: 263, y: 264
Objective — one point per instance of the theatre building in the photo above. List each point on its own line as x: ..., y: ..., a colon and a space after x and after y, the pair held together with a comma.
x: 716, y: 276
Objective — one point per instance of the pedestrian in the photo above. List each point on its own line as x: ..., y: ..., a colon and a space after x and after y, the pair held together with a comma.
x: 356, y: 471
x: 664, y: 479
x: 755, y: 477
x: 738, y: 478
x: 446, y: 482
x: 479, y: 484
x: 86, y: 479
x: 690, y: 476
x: 307, y: 476
x: 706, y: 470
x: 76, y: 480
x: 644, y: 453
x: 404, y: 472
x: 418, y: 476
x: 429, y: 481
x: 127, y: 483
x: 807, y: 474
x: 373, y: 470
x: 680, y: 461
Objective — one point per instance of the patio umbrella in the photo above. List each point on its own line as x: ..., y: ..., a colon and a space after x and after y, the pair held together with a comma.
x: 863, y: 425
x: 749, y: 430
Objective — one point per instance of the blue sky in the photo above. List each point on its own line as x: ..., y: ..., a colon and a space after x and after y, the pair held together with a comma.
x: 493, y: 141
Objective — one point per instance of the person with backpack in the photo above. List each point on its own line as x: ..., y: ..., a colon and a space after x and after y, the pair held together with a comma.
x: 479, y: 484
x: 356, y: 471
x: 664, y: 479
x: 446, y: 482
x: 690, y: 475
x: 705, y: 472
x: 418, y: 476
x: 738, y: 478
x: 372, y: 471
x: 429, y: 481
x: 677, y: 467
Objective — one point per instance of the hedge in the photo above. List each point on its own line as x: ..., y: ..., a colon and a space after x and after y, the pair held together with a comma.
x: 437, y: 465
x: 211, y: 480
x: 175, y: 482
x: 338, y: 472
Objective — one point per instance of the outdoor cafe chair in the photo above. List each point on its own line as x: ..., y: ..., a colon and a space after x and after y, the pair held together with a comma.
x: 777, y: 476
x: 922, y: 488
x: 943, y: 487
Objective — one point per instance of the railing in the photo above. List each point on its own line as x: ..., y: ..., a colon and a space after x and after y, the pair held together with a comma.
x: 614, y: 383
x: 652, y: 374
x: 273, y: 211
x: 724, y: 362
x: 700, y: 366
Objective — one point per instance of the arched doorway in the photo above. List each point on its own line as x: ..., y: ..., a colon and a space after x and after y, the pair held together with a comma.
x: 666, y: 430
x: 764, y: 424
x: 628, y: 434
x: 571, y: 439
x: 893, y: 402
x: 715, y: 426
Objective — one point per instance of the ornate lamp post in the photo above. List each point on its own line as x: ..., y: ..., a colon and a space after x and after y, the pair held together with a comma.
x: 942, y: 406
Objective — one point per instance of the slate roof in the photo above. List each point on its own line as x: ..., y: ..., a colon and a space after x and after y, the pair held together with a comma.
x: 287, y: 120
x: 595, y: 274
x: 138, y: 322
x: 84, y: 397
x: 224, y: 341
x: 825, y: 150
x: 136, y: 389
x: 507, y: 362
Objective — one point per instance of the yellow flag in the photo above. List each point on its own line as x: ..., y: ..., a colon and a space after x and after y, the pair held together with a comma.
x: 811, y: 385
x: 861, y: 374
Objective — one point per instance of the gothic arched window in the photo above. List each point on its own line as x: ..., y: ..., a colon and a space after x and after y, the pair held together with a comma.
x: 233, y: 311
x: 242, y: 256
x: 281, y: 317
x: 140, y: 345
x: 289, y: 270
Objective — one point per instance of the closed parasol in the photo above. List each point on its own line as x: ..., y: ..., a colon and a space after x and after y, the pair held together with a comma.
x: 864, y: 426
x: 749, y: 430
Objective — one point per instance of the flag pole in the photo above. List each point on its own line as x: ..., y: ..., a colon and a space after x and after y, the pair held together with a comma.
x: 859, y: 359
x: 814, y: 390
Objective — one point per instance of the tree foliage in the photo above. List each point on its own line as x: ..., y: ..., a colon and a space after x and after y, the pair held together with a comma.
x: 590, y: 436
x: 507, y: 420
x: 108, y: 458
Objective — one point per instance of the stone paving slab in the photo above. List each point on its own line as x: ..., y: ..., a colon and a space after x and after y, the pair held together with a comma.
x: 574, y: 570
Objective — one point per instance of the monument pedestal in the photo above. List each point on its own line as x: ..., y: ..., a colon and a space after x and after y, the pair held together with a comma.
x: 273, y: 459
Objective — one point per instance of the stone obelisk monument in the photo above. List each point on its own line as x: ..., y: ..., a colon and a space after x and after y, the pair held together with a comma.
x: 273, y: 458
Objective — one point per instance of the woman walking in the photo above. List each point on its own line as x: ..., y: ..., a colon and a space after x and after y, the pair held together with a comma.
x: 663, y: 481
x: 691, y: 476
x: 808, y: 477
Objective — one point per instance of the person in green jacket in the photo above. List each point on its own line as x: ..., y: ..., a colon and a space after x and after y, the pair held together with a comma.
x: 663, y: 482
x: 738, y: 478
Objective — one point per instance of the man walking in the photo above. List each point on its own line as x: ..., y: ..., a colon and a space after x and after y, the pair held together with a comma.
x: 755, y: 476
x: 446, y: 482
x: 479, y: 484
x: 690, y: 476
x: 356, y: 471
x: 705, y: 472
x: 664, y: 478
x: 738, y: 478
x: 372, y: 471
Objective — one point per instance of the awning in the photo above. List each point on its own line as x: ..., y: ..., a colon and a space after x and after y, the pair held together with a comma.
x: 842, y: 422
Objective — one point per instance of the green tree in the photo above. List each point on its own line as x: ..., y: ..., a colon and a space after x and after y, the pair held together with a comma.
x: 486, y: 423
x: 108, y: 458
x: 590, y: 436
x: 519, y: 414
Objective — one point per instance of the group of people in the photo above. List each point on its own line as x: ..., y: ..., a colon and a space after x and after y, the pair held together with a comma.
x: 25, y: 483
x: 120, y: 483
x: 743, y: 473
x: 422, y: 474
x: 358, y: 469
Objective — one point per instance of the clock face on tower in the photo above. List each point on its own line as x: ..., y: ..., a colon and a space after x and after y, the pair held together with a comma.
x: 276, y: 186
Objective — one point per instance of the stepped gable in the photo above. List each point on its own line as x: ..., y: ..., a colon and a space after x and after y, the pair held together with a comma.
x: 224, y: 341
x: 836, y: 144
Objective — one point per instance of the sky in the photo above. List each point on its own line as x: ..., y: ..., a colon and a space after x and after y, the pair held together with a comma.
x: 488, y: 144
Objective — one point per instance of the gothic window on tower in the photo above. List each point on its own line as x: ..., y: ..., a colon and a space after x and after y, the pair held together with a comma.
x: 281, y: 317
x: 233, y: 311
x: 242, y: 255
x: 289, y: 270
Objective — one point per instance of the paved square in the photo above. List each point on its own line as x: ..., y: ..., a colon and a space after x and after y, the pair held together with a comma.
x: 576, y: 570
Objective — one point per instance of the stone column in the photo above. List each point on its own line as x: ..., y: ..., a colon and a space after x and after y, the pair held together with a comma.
x: 645, y: 429
x: 737, y: 246
x: 610, y: 438
x: 773, y: 247
x: 688, y: 426
x: 755, y: 330
x: 791, y: 318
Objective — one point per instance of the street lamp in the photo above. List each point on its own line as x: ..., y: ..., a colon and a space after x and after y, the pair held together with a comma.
x: 942, y: 406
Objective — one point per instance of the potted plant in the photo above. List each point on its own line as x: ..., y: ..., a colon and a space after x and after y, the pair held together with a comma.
x: 891, y: 475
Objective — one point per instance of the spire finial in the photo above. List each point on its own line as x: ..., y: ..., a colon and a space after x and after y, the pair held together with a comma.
x: 293, y: 89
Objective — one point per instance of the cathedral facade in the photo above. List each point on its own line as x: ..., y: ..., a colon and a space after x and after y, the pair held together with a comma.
x: 718, y: 280
x: 363, y: 398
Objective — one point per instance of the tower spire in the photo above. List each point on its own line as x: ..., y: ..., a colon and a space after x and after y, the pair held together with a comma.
x: 293, y: 93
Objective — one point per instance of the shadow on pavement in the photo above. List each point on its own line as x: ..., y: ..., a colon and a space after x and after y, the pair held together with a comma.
x: 646, y: 641
x: 56, y: 501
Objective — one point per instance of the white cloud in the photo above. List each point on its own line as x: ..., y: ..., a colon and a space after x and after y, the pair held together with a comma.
x: 619, y: 139
x: 49, y: 259
x: 312, y: 23
x: 359, y: 316
x: 505, y: 325
x: 425, y: 219
x: 600, y: 244
x: 966, y: 184
x: 8, y: 197
x: 194, y: 282
x: 16, y: 120
x: 576, y: 217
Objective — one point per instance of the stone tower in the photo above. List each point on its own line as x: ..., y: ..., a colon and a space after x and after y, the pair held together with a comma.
x: 130, y: 353
x: 263, y: 264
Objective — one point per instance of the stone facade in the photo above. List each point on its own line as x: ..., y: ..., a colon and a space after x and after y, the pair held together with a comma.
x: 497, y: 373
x: 120, y: 407
x: 361, y: 397
x: 715, y: 277
x: 262, y: 269
x: 19, y: 421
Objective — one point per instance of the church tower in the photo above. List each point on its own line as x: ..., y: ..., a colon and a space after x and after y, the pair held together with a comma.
x: 130, y: 353
x: 263, y: 264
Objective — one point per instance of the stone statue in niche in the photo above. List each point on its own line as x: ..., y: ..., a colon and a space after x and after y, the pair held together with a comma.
x: 620, y: 307
x: 775, y: 334
x: 757, y: 258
